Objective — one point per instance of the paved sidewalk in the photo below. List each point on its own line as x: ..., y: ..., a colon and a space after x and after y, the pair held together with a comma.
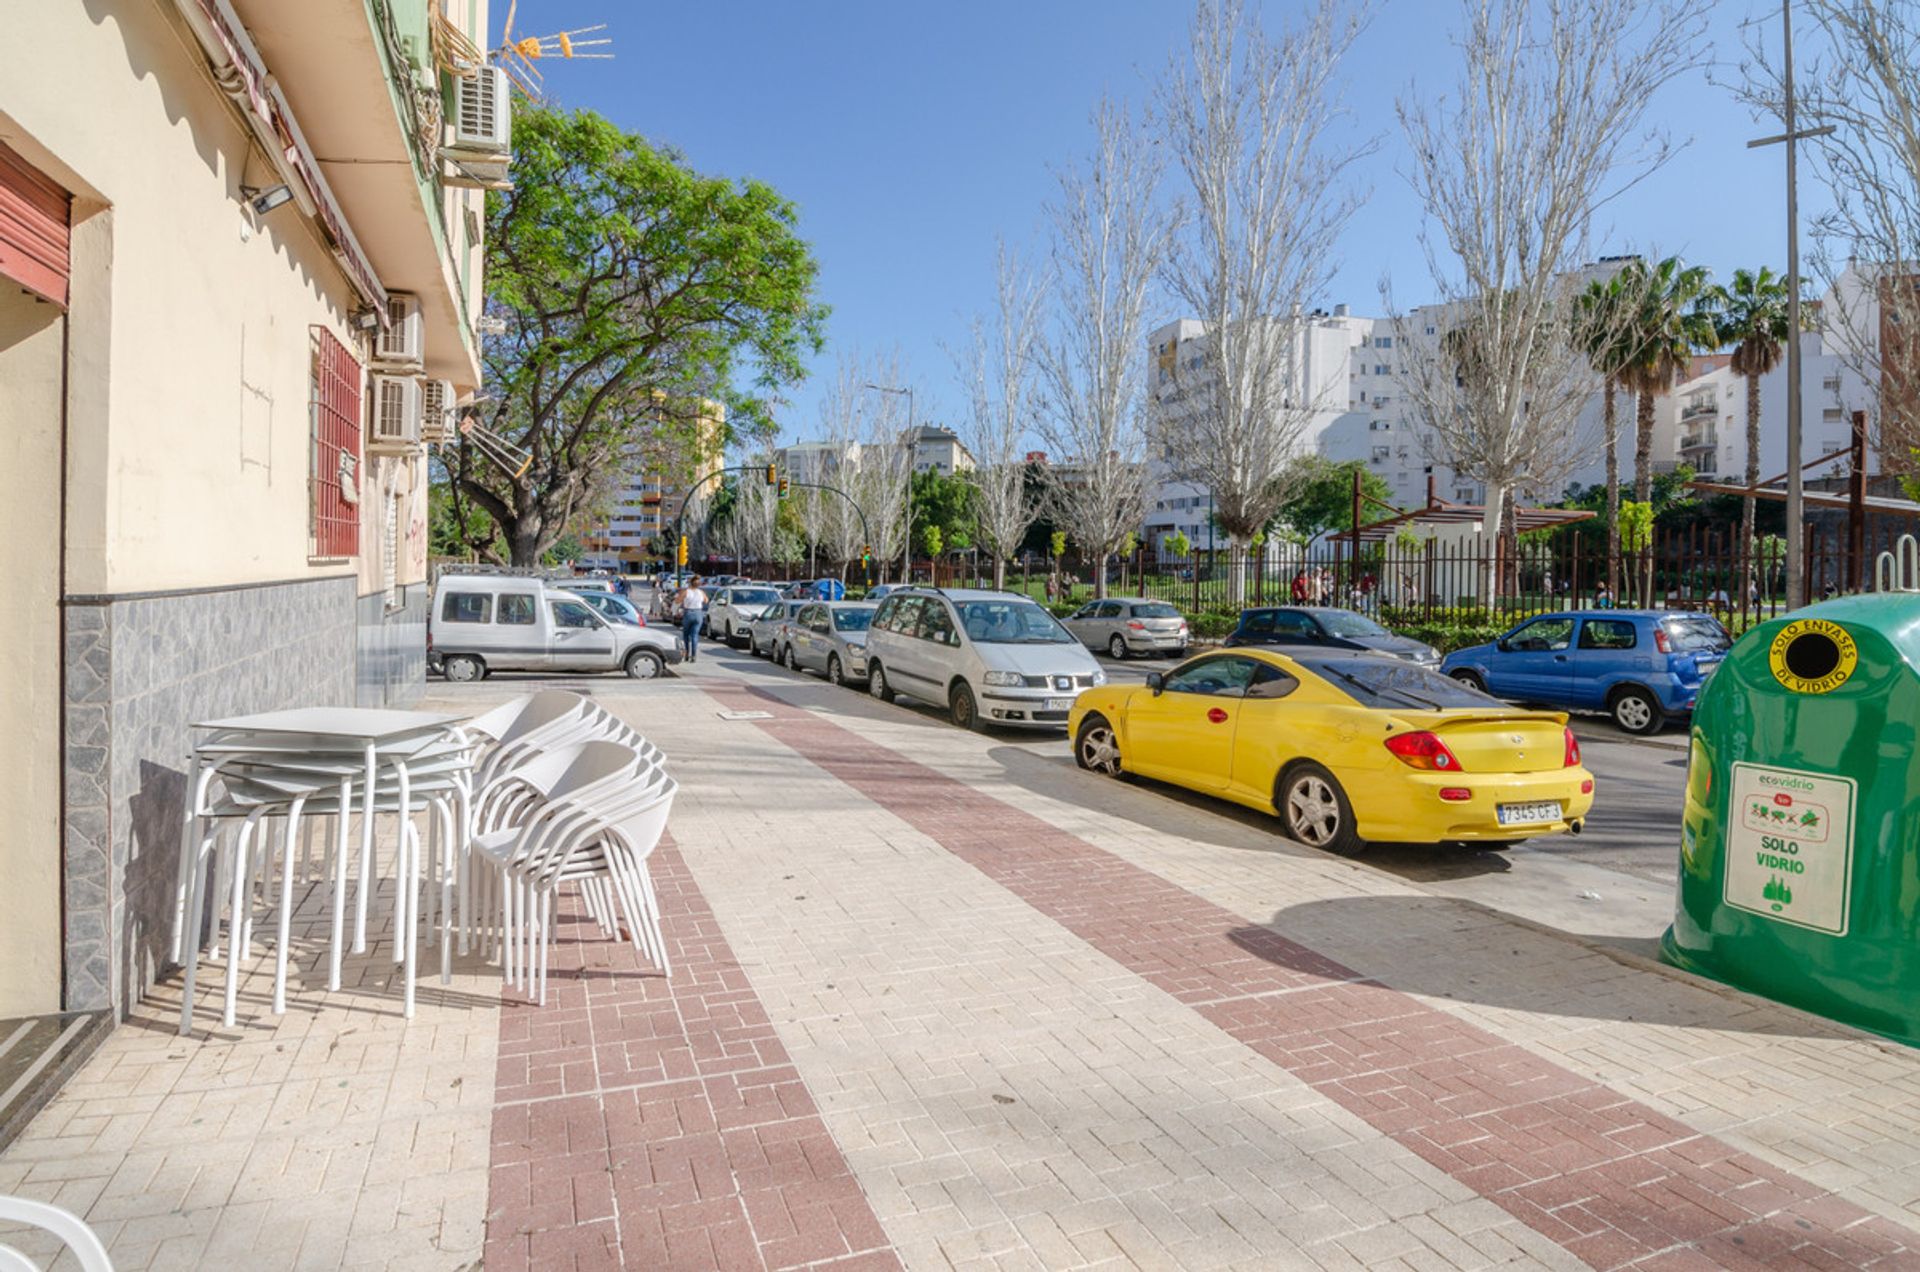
x: 939, y: 1001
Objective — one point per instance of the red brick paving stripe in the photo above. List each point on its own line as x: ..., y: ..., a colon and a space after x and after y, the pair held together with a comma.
x: 642, y: 1122
x: 1613, y: 1181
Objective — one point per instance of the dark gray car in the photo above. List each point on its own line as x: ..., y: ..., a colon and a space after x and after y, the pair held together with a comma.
x: 1326, y: 627
x: 830, y: 637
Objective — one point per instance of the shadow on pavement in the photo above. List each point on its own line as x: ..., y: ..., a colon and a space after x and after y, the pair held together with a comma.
x: 1447, y: 947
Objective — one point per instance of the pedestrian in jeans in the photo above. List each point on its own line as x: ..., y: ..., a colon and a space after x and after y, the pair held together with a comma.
x: 693, y: 612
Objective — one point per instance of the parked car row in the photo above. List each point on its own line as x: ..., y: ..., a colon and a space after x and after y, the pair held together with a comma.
x: 481, y: 623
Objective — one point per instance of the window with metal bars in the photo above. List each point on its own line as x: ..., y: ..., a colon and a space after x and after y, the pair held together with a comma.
x: 334, y: 478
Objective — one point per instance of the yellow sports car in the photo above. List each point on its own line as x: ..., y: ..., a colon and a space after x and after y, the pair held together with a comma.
x: 1345, y: 747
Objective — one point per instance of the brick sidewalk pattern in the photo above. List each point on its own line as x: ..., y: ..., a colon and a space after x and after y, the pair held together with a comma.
x: 1611, y: 1180
x: 643, y: 1121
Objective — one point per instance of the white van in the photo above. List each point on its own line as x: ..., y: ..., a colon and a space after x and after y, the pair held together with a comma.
x: 987, y: 657
x: 504, y: 622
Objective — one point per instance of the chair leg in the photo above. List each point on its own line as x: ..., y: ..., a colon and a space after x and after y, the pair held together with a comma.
x: 341, y: 849
x: 463, y: 858
x: 237, y: 916
x: 286, y: 909
x: 449, y: 862
x: 189, y: 856
x: 366, y: 852
x: 408, y: 939
x: 194, y: 914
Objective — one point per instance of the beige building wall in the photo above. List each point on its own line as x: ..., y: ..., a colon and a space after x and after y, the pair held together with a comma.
x: 195, y: 470
x: 30, y: 361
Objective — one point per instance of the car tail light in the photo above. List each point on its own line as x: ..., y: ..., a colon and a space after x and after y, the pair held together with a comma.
x: 1135, y: 625
x: 1573, y: 749
x: 1456, y: 794
x: 1660, y: 641
x: 1586, y: 787
x: 1423, y: 751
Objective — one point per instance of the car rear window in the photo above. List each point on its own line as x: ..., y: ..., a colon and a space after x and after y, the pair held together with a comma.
x: 852, y: 620
x: 1155, y: 609
x: 1697, y: 634
x: 1392, y: 682
x: 752, y: 596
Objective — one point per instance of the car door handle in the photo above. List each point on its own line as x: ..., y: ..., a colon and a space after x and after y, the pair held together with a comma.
x: 1559, y: 658
x: 1217, y: 714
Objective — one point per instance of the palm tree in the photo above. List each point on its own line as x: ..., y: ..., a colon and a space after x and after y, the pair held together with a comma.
x: 1751, y: 315
x: 1666, y: 325
x: 1603, y: 336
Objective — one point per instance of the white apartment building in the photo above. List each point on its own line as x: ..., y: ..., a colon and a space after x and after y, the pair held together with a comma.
x: 1703, y: 422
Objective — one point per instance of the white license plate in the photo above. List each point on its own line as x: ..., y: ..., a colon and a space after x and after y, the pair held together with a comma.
x: 1521, y: 814
x: 1059, y: 704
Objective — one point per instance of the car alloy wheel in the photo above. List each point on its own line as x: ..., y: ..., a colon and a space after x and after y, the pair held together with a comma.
x: 877, y: 684
x: 1635, y: 712
x: 1097, y: 750
x: 834, y: 675
x: 1117, y: 648
x: 793, y: 664
x: 1316, y: 811
x: 1471, y: 680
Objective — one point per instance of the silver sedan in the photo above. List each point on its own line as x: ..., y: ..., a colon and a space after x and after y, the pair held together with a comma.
x: 1121, y: 626
x: 768, y: 632
x: 830, y: 637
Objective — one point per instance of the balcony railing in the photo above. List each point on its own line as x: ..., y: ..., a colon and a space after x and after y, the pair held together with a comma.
x: 1694, y: 409
x: 1699, y: 441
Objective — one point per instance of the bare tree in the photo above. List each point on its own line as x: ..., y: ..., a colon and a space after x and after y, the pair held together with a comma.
x: 841, y: 424
x: 885, y: 467
x: 1543, y: 129
x: 1246, y: 118
x: 1109, y: 243
x: 999, y: 377
x: 1862, y: 78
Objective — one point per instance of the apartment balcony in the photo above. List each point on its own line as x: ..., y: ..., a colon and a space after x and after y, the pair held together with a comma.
x: 1705, y: 440
x: 1695, y: 410
x: 360, y: 80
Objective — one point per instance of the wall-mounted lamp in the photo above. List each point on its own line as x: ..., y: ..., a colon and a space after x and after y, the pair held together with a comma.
x: 265, y: 201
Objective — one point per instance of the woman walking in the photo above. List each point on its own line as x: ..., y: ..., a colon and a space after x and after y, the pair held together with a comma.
x: 693, y: 612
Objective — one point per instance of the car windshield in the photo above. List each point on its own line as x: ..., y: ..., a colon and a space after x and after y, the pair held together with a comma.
x: 1697, y: 635
x: 1011, y: 623
x: 753, y: 596
x: 853, y: 620
x: 1155, y: 609
x: 1390, y: 682
x: 1346, y: 625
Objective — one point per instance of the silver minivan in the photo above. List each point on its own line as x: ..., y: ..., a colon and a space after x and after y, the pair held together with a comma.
x: 481, y: 623
x: 987, y: 657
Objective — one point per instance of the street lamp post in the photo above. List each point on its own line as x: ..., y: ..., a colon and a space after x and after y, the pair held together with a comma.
x: 1796, y: 513
x: 906, y: 548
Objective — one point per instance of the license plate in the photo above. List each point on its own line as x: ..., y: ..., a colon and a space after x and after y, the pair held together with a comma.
x: 1521, y: 814
x: 1706, y: 665
x: 1059, y: 704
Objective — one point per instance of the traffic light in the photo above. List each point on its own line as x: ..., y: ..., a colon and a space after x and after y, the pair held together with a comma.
x: 783, y: 487
x: 866, y: 554
x: 683, y: 552
x: 773, y: 475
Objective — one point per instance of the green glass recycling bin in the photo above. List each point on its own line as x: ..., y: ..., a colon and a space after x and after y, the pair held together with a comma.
x: 1800, y: 851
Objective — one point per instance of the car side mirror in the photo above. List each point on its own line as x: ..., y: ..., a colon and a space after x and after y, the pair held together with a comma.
x: 1503, y: 646
x: 1156, y: 682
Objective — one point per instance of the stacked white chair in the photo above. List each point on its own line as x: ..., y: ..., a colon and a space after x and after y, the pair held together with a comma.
x: 87, y: 1250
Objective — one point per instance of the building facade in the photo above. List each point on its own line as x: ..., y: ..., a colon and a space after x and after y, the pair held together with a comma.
x: 236, y: 292
x: 668, y: 469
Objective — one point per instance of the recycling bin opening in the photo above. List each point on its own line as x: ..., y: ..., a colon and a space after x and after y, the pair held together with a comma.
x: 1800, y: 842
x: 1812, y: 655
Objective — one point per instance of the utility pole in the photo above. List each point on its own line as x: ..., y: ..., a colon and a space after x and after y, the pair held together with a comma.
x: 906, y: 550
x: 1796, y: 507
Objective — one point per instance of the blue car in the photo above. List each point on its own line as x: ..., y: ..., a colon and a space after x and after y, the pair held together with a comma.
x: 1642, y: 667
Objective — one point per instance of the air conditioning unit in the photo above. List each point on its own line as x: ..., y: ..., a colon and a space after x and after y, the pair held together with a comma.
x: 395, y: 424
x: 436, y: 410
x: 403, y: 343
x: 483, y: 113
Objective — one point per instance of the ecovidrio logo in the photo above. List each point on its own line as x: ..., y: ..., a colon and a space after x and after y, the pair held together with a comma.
x: 1812, y: 655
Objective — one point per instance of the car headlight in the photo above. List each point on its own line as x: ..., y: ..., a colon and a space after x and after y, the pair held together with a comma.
x: 1010, y: 679
x: 1099, y: 678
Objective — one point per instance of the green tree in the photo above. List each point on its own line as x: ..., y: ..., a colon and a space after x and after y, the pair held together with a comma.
x: 455, y: 531
x: 1667, y: 324
x: 1751, y: 315
x: 1177, y: 543
x: 633, y: 289
x: 1323, y: 496
x: 943, y: 501
x: 933, y: 541
x: 1603, y: 332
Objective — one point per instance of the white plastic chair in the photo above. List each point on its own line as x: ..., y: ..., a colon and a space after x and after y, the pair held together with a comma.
x: 64, y: 1224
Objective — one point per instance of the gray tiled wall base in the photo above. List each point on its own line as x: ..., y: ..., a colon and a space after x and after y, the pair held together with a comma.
x: 139, y: 671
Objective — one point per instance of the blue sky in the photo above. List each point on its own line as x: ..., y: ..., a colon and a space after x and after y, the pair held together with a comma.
x: 911, y: 134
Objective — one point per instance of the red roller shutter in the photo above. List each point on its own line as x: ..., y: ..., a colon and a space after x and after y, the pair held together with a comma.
x: 33, y: 229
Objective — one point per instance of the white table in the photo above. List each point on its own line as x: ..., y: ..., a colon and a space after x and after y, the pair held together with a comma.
x: 304, y: 743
